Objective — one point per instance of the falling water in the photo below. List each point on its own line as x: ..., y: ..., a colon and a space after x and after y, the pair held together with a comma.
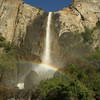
x: 47, y: 49
x: 43, y: 70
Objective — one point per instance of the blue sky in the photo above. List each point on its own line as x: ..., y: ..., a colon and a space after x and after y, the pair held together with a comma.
x: 49, y: 5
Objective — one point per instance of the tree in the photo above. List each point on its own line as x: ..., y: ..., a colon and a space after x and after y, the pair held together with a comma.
x: 61, y: 89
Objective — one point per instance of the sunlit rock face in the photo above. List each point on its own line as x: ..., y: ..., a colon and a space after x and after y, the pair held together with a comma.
x: 22, y: 25
x: 78, y: 17
x: 25, y: 25
x: 8, y: 12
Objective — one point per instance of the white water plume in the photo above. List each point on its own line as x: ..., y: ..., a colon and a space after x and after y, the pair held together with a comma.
x: 47, y: 49
x: 20, y: 86
x: 44, y: 71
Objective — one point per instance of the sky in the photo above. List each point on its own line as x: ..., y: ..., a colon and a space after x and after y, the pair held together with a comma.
x: 49, y: 5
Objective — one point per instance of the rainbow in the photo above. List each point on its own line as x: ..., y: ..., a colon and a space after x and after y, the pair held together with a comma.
x: 44, y: 65
x: 40, y: 64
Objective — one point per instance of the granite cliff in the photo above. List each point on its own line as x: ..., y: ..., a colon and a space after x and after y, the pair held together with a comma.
x: 24, y: 26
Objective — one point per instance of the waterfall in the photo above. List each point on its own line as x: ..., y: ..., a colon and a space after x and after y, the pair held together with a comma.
x: 43, y: 70
x: 47, y: 49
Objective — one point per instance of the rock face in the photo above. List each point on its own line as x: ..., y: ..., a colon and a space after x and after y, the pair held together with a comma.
x: 82, y: 15
x: 20, y: 23
x: 24, y: 26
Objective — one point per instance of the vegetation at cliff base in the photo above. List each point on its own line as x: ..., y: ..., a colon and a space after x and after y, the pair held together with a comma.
x: 7, y: 58
x: 65, y: 90
x: 77, y: 81
x: 81, y: 81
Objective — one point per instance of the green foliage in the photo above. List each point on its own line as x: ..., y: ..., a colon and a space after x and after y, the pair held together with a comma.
x: 49, y: 84
x: 95, y: 56
x: 4, y: 44
x: 2, y: 41
x: 57, y: 89
x: 7, y: 47
x: 2, y: 38
x: 94, y: 59
x: 81, y: 81
x: 8, y: 60
x: 87, y: 35
x: 94, y: 79
x: 98, y: 24
x: 7, y: 57
x: 7, y: 64
x: 88, y: 73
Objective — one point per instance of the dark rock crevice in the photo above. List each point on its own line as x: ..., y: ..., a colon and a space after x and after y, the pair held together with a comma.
x: 16, y: 20
x: 82, y: 16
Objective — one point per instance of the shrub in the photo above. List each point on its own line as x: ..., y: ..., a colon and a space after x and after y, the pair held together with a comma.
x: 8, y: 47
x: 87, y: 35
x: 55, y: 89
x: 2, y: 38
